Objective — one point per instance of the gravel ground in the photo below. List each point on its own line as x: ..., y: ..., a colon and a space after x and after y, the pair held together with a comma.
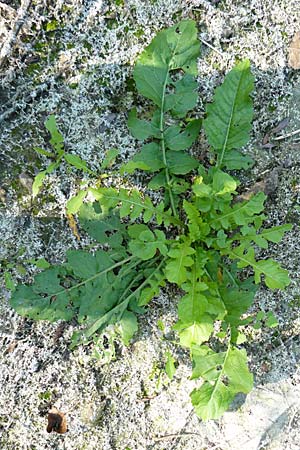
x: 74, y: 59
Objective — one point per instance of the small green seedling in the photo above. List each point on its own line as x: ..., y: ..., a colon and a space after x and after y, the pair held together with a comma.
x: 58, y: 154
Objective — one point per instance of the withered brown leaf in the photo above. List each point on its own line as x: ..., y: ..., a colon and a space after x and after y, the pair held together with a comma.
x: 294, y: 52
x: 57, y: 421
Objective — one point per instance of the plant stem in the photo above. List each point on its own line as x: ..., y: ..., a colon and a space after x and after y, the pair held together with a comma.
x: 163, y: 146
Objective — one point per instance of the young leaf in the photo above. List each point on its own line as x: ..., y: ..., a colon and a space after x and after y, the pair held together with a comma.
x: 229, y: 117
x: 110, y: 157
x: 38, y: 182
x: 77, y: 162
x: 74, y: 204
x: 180, y: 259
x: 57, y: 140
x: 170, y: 366
x: 43, y: 152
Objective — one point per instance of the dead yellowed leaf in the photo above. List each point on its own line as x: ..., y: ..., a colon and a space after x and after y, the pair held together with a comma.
x: 57, y: 421
x: 294, y: 52
x: 73, y: 225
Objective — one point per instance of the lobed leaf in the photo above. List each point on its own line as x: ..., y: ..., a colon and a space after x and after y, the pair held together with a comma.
x: 141, y: 129
x: 173, y: 48
x: 275, y: 276
x: 180, y: 258
x: 213, y: 398
x: 176, y: 139
x: 133, y: 205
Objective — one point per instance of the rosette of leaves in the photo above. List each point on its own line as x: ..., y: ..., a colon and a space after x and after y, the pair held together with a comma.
x: 198, y: 237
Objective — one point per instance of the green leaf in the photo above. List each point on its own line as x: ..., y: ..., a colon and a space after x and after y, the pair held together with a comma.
x: 180, y: 163
x: 38, y: 182
x: 85, y: 265
x: 197, y: 333
x: 173, y: 48
x: 109, y: 159
x: 9, y: 282
x: 241, y: 213
x: 209, y: 402
x: 45, y: 299
x: 41, y: 263
x: 43, y: 152
x: 133, y: 205
x: 146, y: 244
x: 57, y: 140
x: 151, y: 156
x: 128, y: 326
x: 193, y: 304
x: 76, y: 161
x: 271, y: 320
x: 274, y: 234
x: 180, y: 259
x: 151, y: 286
x: 213, y: 398
x: 74, y: 204
x: 275, y: 276
x: 170, y: 368
x: 184, y: 99
x: 229, y: 117
x: 176, y: 139
x: 106, y: 228
x: 141, y: 129
x: 223, y: 183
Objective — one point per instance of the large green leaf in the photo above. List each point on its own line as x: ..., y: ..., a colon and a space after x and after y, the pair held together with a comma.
x: 225, y: 375
x: 229, y: 117
x: 173, y: 48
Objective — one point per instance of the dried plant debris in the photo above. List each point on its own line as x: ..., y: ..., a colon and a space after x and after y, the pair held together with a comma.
x: 57, y: 421
x: 294, y: 52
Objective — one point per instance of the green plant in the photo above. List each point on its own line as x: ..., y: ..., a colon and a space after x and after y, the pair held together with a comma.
x: 59, y: 154
x: 198, y: 237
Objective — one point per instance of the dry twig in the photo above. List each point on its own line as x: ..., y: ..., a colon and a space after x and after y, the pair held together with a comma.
x: 8, y: 44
